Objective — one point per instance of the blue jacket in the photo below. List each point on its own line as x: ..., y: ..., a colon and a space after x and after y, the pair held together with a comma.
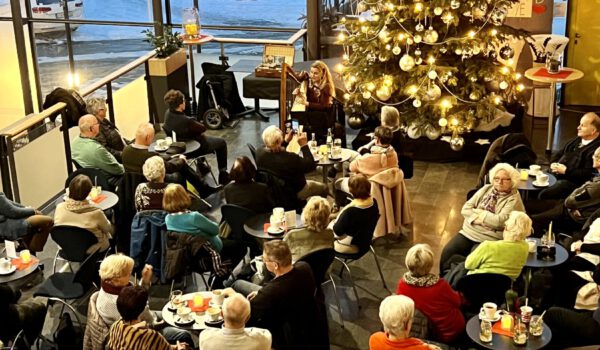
x: 146, y: 247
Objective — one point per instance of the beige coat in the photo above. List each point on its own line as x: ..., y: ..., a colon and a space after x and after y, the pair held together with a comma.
x: 96, y: 331
x: 395, y: 214
x: 84, y: 215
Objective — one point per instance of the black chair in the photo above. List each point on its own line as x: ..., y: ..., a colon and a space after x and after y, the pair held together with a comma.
x: 252, y: 151
x: 126, y: 211
x: 235, y: 216
x: 283, y: 195
x: 320, y: 261
x: 95, y: 174
x: 73, y: 243
x: 479, y: 288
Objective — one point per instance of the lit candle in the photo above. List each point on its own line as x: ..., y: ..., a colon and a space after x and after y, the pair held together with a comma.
x: 550, y: 231
x: 198, y: 300
x: 524, y: 174
x: 506, y: 322
x: 25, y: 256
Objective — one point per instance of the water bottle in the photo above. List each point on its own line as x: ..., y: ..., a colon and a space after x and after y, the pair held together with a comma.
x: 329, y: 141
x: 314, y: 147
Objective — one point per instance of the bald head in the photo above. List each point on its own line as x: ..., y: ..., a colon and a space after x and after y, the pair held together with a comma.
x: 88, y: 126
x: 589, y: 126
x: 144, y: 134
x: 236, y: 311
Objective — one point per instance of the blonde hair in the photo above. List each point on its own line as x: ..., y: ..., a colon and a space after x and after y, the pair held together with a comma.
x: 272, y: 136
x: 115, y: 266
x: 512, y: 172
x: 419, y: 260
x: 154, y: 168
x: 327, y: 78
x: 94, y: 104
x: 176, y: 199
x: 517, y: 226
x: 396, y: 313
x: 315, y: 214
x: 390, y: 117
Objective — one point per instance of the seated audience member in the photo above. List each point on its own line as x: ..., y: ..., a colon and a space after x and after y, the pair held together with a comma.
x: 315, y: 235
x: 149, y: 195
x: 507, y: 256
x: 571, y: 328
x: 109, y: 135
x: 587, y: 250
x: 89, y: 153
x: 289, y: 166
x: 574, y: 211
x: 235, y: 335
x: 130, y: 332
x: 396, y: 314
x: 78, y: 211
x: 28, y: 316
x: 432, y: 295
x: 177, y: 169
x: 244, y: 191
x: 294, y: 325
x: 188, y: 128
x: 485, y: 213
x: 115, y: 274
x: 20, y: 222
x: 573, y: 164
x: 176, y: 201
x: 355, y: 223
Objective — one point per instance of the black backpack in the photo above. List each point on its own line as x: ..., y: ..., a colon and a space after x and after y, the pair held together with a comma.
x: 75, y: 105
x: 67, y: 336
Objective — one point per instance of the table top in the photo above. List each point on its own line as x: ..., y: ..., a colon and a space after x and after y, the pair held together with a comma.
x: 501, y: 342
x: 346, y: 154
x: 190, y: 146
x: 18, y: 274
x: 575, y: 75
x: 204, y: 38
x: 527, y: 185
x: 110, y: 201
x: 169, y: 317
x: 255, y: 226
x: 561, y: 256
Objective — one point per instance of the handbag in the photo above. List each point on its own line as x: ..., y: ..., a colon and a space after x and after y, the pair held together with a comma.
x: 176, y: 148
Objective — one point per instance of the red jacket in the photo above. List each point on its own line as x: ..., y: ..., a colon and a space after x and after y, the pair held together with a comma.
x: 441, y: 304
x: 379, y: 341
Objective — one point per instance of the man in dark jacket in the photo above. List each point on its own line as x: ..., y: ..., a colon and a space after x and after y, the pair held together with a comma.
x: 188, y: 128
x: 573, y: 164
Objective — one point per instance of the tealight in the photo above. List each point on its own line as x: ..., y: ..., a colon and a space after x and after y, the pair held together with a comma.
x: 25, y: 256
x: 198, y: 301
x: 506, y: 322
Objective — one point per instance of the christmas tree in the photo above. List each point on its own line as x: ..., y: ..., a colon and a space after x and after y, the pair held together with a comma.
x: 444, y: 64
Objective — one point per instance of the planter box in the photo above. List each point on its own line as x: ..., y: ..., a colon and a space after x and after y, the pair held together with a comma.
x: 162, y: 67
x: 165, y: 74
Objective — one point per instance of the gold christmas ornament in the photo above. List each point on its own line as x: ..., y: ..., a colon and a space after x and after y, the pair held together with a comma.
x: 432, y: 74
x: 396, y: 50
x: 443, y: 122
x: 454, y: 4
x: 503, y: 85
x: 384, y: 93
x: 433, y: 93
x: 417, y: 103
x: 430, y: 36
x: 438, y: 11
x: 407, y: 62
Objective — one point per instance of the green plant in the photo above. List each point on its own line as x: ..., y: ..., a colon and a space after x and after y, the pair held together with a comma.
x: 166, y: 44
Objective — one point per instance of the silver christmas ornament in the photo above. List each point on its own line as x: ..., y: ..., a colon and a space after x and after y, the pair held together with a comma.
x: 457, y: 143
x: 396, y: 50
x: 498, y: 16
x: 383, y: 93
x: 419, y: 27
x: 407, y: 62
x: 454, y: 4
x: 417, y: 103
x: 432, y: 74
x: 507, y: 52
x: 413, y: 131
x: 430, y: 35
x: 432, y: 132
x: 418, y: 60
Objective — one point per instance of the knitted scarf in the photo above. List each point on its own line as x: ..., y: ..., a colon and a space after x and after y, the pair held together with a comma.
x: 422, y: 281
x: 489, y: 201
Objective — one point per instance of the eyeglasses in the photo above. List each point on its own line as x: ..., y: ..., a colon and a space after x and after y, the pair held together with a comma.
x: 501, y: 179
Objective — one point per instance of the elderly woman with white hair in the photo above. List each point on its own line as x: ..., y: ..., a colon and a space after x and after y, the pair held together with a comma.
x: 432, y: 295
x: 109, y: 135
x: 289, y: 166
x: 506, y: 257
x: 149, y: 195
x: 396, y: 314
x: 485, y: 213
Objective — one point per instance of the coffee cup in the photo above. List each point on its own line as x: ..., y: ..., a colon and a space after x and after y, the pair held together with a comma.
x: 279, y: 212
x: 526, y: 312
x: 489, y: 310
x: 534, y: 169
x: 5, y: 264
x: 214, y: 313
x: 542, y: 179
x: 218, y: 296
x: 275, y: 222
x: 532, y: 245
x: 184, y: 313
x: 169, y: 141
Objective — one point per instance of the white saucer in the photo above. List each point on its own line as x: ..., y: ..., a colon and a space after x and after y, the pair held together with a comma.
x: 317, y: 159
x: 273, y: 231
x: 179, y: 321
x: 496, y: 318
x: 537, y: 184
x: 161, y: 149
x: 12, y: 269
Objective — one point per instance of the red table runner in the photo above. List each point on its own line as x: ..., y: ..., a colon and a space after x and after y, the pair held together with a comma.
x: 543, y: 72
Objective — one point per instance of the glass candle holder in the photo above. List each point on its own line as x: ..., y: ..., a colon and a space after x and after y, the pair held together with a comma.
x: 198, y: 301
x: 191, y: 23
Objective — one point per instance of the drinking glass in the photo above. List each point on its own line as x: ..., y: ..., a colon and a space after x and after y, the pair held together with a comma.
x: 520, y: 332
x: 175, y: 298
x: 485, y: 334
x: 536, y: 326
x: 336, y: 152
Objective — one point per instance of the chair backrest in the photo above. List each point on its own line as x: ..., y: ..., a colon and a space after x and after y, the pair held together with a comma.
x: 319, y: 262
x: 73, y: 241
x: 479, y: 288
x: 235, y: 216
x: 283, y: 195
x: 252, y: 151
x: 88, y: 272
x: 94, y: 174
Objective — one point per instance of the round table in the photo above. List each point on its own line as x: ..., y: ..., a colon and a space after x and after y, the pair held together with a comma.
x: 540, y: 74
x: 190, y: 146
x: 561, y: 256
x: 325, y: 163
x: 255, y: 226
x: 501, y: 342
x: 110, y: 201
x: 527, y: 185
x: 18, y: 274
x: 169, y: 316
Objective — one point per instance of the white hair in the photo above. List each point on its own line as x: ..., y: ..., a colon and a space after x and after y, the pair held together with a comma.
x: 154, y: 168
x: 143, y: 130
x: 593, y: 235
x: 115, y: 266
x: 517, y: 226
x: 396, y: 314
x: 390, y: 117
x: 419, y: 259
x: 272, y: 136
x: 94, y: 104
x: 512, y: 172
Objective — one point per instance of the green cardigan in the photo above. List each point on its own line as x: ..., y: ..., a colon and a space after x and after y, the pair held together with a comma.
x: 90, y: 154
x: 502, y: 257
